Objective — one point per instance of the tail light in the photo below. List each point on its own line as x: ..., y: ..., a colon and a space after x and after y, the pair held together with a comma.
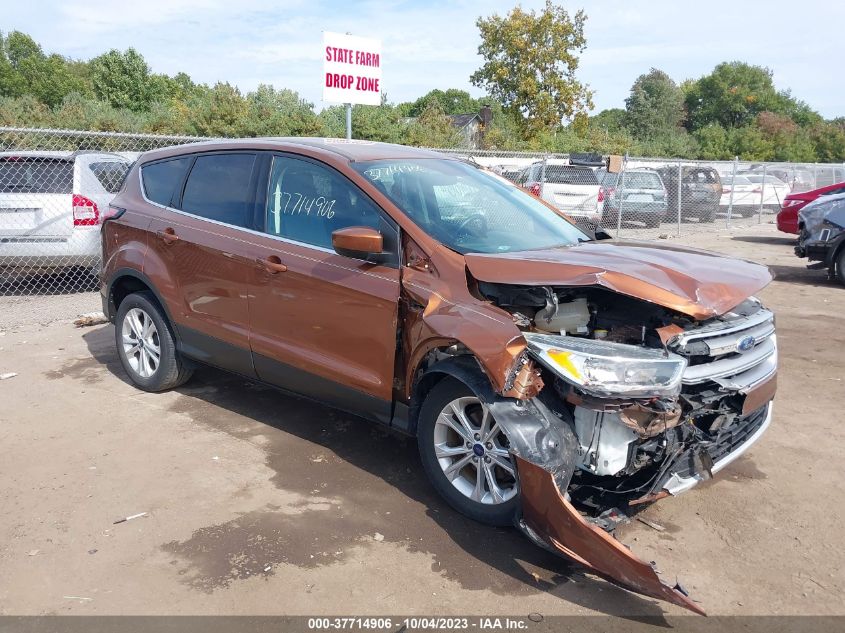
x: 85, y: 211
x: 790, y: 203
x: 535, y: 189
x: 726, y: 189
x: 112, y: 213
x: 601, y: 195
x: 757, y: 190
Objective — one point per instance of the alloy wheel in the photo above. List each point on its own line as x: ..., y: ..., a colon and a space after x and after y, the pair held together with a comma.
x: 141, y: 343
x: 472, y: 451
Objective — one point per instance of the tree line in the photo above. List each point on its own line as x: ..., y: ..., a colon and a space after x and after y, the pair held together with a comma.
x: 529, y: 74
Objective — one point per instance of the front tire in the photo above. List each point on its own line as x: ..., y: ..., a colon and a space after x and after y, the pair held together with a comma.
x: 146, y: 345
x: 840, y: 266
x: 465, y: 454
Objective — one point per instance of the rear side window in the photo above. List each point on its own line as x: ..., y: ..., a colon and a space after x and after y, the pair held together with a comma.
x: 110, y: 174
x: 218, y: 188
x: 161, y: 179
x: 700, y: 175
x: 35, y: 174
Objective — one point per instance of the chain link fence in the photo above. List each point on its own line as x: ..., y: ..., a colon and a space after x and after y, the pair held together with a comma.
x: 55, y: 186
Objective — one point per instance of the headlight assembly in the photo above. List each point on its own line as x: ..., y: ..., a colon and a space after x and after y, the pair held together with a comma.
x: 607, y: 369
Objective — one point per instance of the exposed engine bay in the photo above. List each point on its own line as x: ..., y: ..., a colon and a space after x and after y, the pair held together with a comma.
x: 655, y: 398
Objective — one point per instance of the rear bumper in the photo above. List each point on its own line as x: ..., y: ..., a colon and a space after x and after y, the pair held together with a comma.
x: 787, y: 222
x: 80, y: 248
x: 634, y: 209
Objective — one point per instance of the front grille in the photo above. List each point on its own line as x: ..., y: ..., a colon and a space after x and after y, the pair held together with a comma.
x: 736, y: 351
x: 727, y: 441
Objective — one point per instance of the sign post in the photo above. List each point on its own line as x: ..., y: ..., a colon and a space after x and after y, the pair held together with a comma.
x: 351, y: 72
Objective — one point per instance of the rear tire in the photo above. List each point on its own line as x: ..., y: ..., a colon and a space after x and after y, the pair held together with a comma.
x: 444, y: 440
x: 146, y: 345
x: 840, y: 265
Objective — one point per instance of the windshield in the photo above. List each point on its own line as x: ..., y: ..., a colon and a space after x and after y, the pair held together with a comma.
x: 467, y: 209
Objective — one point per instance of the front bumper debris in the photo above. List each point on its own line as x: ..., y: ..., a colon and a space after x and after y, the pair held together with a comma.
x: 549, y: 517
x: 543, y: 445
x: 678, y: 483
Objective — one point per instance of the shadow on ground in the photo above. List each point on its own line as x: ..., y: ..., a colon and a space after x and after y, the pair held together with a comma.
x: 767, y: 239
x: 800, y: 274
x: 375, y: 484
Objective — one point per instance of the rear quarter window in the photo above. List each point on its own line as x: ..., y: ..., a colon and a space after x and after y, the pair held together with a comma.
x: 161, y: 179
x: 35, y: 174
x: 111, y: 174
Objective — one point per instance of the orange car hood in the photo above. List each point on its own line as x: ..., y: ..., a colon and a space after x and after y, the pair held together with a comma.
x: 694, y: 282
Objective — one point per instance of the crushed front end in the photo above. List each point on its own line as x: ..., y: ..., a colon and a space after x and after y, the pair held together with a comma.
x: 821, y: 232
x: 639, y: 402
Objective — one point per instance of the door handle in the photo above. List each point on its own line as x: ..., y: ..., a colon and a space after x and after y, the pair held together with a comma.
x: 272, y: 264
x: 168, y: 235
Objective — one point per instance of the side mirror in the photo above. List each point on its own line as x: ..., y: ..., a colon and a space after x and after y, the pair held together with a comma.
x: 359, y: 242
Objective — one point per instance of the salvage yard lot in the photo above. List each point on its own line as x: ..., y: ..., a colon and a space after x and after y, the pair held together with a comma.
x: 258, y: 503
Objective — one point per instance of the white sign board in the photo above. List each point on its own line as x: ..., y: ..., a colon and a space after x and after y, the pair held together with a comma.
x: 351, y: 69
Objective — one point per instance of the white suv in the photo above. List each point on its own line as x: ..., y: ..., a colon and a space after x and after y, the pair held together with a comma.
x: 52, y: 205
x: 572, y: 189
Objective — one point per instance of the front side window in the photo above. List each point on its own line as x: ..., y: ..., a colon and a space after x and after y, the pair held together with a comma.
x: 161, y: 179
x: 306, y: 202
x: 467, y: 209
x: 218, y: 188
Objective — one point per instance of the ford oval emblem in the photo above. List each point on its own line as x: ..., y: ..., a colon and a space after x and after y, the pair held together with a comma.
x: 745, y: 344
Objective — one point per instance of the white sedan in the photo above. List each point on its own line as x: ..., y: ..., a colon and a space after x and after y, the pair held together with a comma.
x: 774, y: 190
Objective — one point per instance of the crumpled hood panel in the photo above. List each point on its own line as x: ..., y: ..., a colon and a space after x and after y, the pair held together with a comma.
x: 694, y: 282
x: 830, y: 208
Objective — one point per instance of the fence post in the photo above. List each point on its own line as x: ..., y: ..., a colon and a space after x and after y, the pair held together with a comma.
x: 815, y: 175
x: 762, y: 195
x: 543, y: 175
x: 680, y: 189
x: 621, y: 197
x: 731, y: 198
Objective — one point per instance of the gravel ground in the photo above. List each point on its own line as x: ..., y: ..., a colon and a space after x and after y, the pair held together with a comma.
x: 257, y: 503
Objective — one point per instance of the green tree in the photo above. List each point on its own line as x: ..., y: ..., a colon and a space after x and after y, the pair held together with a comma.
x: 433, y: 128
x: 123, y: 79
x: 280, y: 113
x: 530, y: 61
x: 452, y: 101
x: 220, y: 112
x: 610, y: 120
x: 713, y: 142
x: 655, y: 107
x: 732, y: 96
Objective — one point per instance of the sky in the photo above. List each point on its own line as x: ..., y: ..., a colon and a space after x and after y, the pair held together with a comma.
x: 433, y: 44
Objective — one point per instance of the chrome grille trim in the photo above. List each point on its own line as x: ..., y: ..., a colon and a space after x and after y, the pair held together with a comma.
x: 721, y: 328
x: 732, y: 365
x: 717, y: 344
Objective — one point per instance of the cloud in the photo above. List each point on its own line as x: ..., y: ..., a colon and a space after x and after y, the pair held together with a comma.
x: 433, y: 43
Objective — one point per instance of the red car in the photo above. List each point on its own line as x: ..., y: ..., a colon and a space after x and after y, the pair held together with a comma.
x: 794, y: 202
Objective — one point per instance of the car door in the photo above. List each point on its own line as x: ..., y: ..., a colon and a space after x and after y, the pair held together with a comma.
x: 199, y: 245
x: 324, y: 325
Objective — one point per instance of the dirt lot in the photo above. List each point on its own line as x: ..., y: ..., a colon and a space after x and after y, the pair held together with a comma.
x: 260, y: 503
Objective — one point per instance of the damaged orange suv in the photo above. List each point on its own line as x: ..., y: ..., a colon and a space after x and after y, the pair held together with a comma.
x: 553, y: 379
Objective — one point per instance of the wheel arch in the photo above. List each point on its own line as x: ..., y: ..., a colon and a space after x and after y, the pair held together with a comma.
x: 466, y: 368
x: 124, y: 282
